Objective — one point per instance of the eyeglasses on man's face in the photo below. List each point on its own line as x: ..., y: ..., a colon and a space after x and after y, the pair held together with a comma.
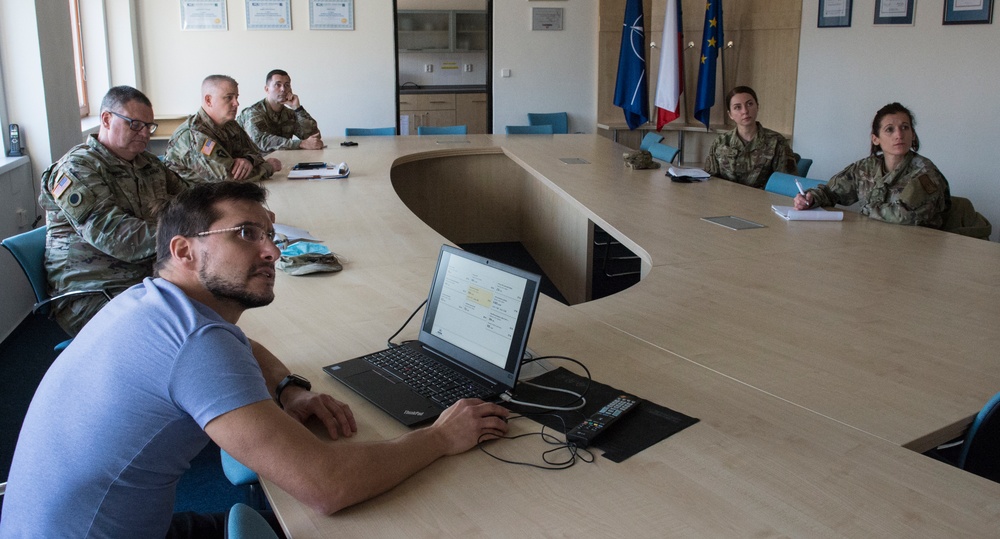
x: 249, y: 233
x: 137, y: 125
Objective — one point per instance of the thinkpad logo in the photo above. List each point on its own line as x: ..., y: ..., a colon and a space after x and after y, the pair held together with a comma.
x: 412, y: 412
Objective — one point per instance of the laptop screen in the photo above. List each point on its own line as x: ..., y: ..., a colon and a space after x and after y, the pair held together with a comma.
x: 479, y: 312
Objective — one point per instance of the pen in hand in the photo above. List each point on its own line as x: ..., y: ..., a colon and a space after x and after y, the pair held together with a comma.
x: 806, y: 203
x: 799, y: 185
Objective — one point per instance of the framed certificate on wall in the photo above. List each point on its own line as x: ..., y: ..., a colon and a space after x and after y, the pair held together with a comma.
x: 968, y: 12
x: 894, y: 11
x: 834, y: 14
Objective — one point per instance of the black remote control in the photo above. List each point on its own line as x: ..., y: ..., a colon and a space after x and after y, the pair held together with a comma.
x: 585, y: 432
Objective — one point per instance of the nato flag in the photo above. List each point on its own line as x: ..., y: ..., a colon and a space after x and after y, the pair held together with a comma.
x: 631, y: 93
x: 711, y: 41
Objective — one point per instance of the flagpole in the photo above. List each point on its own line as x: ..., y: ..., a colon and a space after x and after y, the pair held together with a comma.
x: 722, y: 62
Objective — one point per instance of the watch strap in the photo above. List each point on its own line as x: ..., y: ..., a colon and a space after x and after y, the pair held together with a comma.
x: 291, y: 379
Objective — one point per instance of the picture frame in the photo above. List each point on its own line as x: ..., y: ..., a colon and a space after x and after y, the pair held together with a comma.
x: 968, y: 12
x: 834, y: 14
x: 894, y: 11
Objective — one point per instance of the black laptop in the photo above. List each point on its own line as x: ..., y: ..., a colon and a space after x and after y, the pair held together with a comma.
x: 471, y: 341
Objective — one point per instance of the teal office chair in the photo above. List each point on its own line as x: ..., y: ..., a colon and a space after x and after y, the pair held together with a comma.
x: 784, y: 184
x: 245, y: 523
x: 529, y: 129
x: 802, y: 167
x: 651, y: 138
x: 241, y: 476
x: 558, y: 120
x: 442, y: 130
x: 370, y: 131
x: 981, y: 448
x: 28, y: 249
x: 663, y: 152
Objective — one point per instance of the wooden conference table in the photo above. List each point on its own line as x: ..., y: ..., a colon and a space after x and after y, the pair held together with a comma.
x: 812, y: 353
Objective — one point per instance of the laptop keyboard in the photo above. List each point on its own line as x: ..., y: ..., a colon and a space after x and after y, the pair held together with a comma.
x: 427, y: 377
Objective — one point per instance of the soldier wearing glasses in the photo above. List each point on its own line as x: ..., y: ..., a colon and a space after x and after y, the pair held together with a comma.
x: 99, y: 201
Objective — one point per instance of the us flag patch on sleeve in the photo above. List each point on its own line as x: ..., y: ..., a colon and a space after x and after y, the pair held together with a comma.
x: 61, y: 186
x: 208, y: 147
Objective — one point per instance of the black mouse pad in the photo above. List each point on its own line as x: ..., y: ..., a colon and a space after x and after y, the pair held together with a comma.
x: 644, y: 426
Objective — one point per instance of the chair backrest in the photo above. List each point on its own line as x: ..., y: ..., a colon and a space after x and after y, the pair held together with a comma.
x: 235, y: 471
x: 651, y: 138
x: 558, y: 120
x: 802, y: 167
x: 981, y: 451
x: 370, y: 131
x: 784, y: 184
x: 28, y: 249
x: 245, y: 523
x: 529, y: 129
x: 442, y: 130
x: 663, y: 152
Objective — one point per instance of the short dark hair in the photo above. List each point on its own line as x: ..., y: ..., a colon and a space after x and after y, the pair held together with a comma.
x: 194, y: 211
x: 272, y: 73
x: 119, y: 96
x: 894, y: 108
x: 740, y: 90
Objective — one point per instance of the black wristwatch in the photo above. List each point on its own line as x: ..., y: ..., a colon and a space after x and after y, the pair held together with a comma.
x: 291, y: 379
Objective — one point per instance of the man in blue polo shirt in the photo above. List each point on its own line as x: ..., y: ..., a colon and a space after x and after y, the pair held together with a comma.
x: 163, y: 368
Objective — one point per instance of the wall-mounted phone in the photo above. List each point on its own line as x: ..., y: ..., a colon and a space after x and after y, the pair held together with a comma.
x: 15, y: 140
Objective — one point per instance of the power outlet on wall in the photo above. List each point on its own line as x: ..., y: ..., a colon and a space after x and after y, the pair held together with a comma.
x: 22, y: 217
x: 468, y: 68
x: 428, y: 68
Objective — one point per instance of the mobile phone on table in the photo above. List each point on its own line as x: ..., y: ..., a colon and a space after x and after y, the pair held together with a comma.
x: 309, y: 165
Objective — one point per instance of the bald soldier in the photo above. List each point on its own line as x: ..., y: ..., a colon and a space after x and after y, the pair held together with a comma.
x: 211, y: 146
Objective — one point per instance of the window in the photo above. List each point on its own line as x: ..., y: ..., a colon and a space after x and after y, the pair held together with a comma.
x: 81, y: 68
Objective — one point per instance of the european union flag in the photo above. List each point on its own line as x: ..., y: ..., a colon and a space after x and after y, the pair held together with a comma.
x: 631, y: 93
x: 711, y: 42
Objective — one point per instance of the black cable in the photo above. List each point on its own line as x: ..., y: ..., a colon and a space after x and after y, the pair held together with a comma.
x: 572, y: 402
x: 417, y: 310
x: 575, y: 453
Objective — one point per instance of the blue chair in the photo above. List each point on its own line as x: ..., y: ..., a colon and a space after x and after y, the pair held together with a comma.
x: 241, y: 476
x: 663, y: 152
x: 28, y: 249
x: 784, y: 184
x: 981, y: 448
x: 370, y: 131
x: 245, y: 523
x: 558, y: 120
x: 442, y: 130
x: 802, y: 167
x: 651, y: 138
x: 529, y: 129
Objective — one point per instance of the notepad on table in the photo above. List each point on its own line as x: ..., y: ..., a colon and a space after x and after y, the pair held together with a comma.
x: 789, y: 213
x: 691, y: 174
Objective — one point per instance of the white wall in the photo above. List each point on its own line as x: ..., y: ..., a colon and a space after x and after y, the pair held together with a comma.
x: 36, y: 50
x: 947, y: 75
x: 343, y: 77
x: 347, y: 78
x: 551, y: 71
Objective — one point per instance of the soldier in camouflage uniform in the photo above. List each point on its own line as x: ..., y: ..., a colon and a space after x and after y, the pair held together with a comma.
x: 279, y: 122
x: 751, y: 152
x: 211, y: 146
x: 894, y: 184
x: 99, y: 200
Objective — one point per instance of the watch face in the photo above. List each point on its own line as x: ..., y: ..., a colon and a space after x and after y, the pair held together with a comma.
x: 294, y: 379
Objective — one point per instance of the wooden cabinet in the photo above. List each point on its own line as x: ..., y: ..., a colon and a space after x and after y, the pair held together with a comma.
x: 426, y: 109
x: 471, y: 111
x: 468, y: 109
